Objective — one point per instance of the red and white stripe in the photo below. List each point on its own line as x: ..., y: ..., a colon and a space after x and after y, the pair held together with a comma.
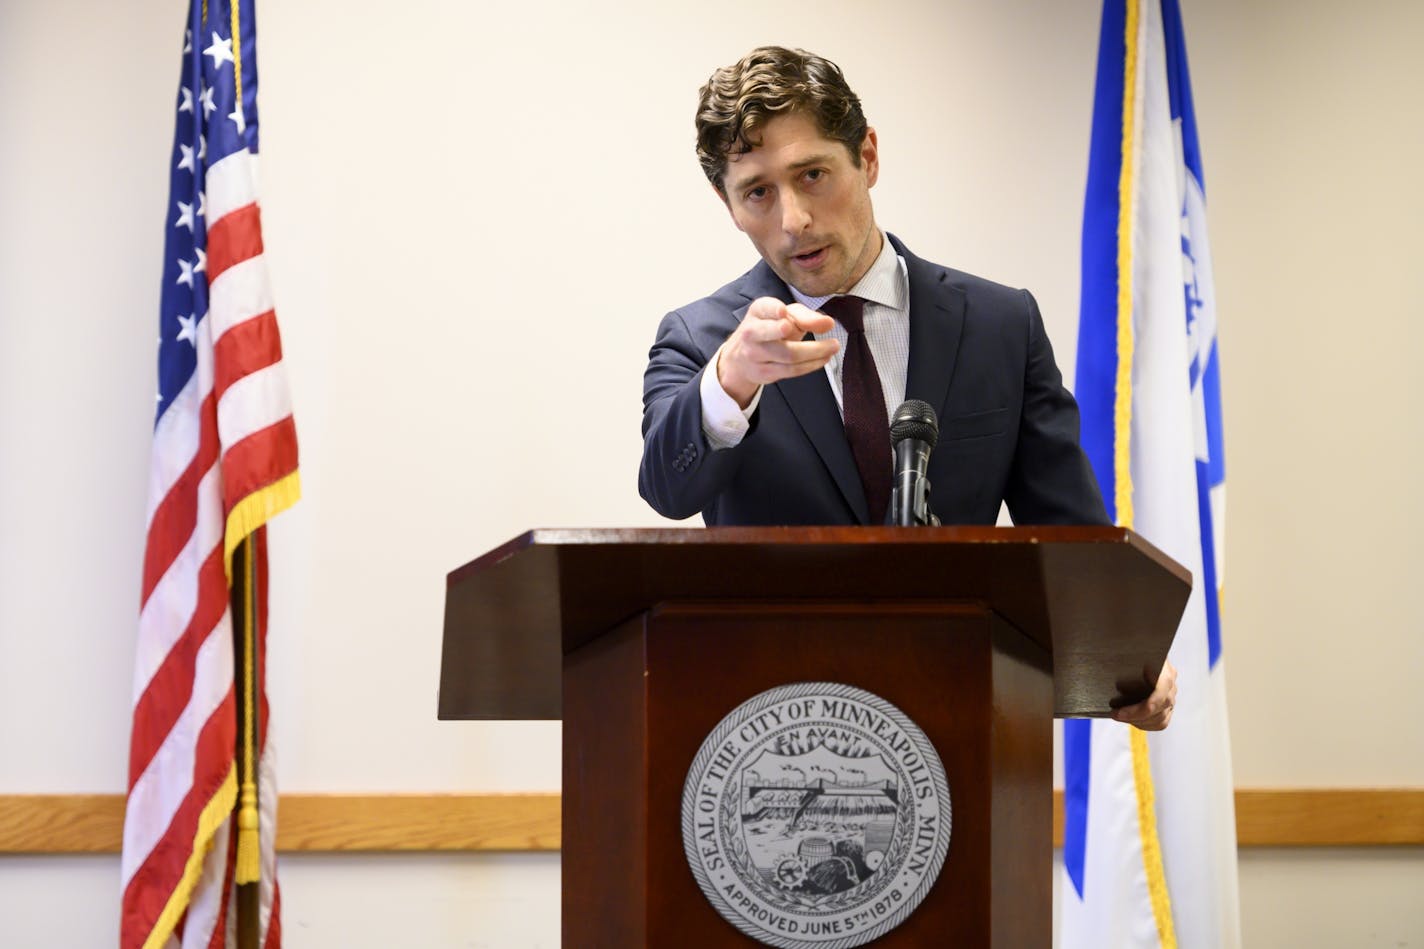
x: 226, y: 436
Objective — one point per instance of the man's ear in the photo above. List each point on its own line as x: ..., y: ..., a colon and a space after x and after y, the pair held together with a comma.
x: 722, y: 196
x: 870, y: 157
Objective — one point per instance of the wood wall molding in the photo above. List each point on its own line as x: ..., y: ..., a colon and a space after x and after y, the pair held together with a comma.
x: 1330, y: 818
x: 383, y: 823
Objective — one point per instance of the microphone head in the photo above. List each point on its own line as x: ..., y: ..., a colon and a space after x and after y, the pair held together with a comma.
x: 914, y: 419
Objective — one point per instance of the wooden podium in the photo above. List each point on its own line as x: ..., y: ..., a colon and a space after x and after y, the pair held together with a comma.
x: 643, y: 640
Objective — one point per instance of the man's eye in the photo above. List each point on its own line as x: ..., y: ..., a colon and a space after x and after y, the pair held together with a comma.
x: 815, y: 174
x: 756, y: 194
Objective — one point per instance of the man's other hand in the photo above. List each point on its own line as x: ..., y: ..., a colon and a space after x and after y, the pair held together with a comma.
x: 1154, y: 712
x: 767, y: 346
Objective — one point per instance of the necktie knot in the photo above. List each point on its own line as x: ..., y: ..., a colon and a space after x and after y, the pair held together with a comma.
x: 848, y: 311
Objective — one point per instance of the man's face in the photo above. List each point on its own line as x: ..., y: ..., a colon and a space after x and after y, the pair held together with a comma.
x: 805, y: 205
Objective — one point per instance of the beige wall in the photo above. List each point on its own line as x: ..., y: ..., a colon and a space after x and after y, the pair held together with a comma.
x: 1314, y: 127
x: 469, y: 248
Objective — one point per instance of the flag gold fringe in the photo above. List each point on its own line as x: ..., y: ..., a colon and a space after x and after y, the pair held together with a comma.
x: 214, y: 813
x: 1122, y: 410
x: 1151, y: 846
x: 257, y: 509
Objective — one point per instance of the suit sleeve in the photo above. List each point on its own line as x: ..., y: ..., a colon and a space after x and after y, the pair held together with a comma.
x: 680, y: 473
x: 1051, y: 480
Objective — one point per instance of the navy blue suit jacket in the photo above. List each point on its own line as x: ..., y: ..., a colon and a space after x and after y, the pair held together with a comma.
x: 978, y: 354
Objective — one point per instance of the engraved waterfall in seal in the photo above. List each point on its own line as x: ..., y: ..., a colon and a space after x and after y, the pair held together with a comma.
x: 816, y: 816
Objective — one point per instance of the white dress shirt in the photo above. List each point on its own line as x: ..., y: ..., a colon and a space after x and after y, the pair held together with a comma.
x: 886, y: 290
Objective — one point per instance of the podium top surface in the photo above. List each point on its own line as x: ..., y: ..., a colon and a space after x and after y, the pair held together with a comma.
x: 1102, y: 599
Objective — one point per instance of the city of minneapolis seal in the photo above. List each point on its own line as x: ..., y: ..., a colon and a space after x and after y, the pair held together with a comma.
x: 816, y: 816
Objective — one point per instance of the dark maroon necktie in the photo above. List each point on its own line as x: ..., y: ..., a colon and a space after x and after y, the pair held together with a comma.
x: 867, y: 424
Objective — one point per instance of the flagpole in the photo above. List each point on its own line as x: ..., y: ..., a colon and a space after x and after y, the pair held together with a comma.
x: 248, y: 674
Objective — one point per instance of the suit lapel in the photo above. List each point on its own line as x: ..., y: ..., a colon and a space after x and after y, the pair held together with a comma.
x: 812, y: 403
x: 936, y: 322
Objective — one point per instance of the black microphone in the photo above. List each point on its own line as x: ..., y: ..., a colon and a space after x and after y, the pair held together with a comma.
x: 913, y: 431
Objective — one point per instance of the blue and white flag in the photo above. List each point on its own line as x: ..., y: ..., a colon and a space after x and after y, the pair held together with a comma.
x: 1149, y: 849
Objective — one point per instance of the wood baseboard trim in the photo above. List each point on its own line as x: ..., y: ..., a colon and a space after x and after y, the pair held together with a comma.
x: 384, y: 823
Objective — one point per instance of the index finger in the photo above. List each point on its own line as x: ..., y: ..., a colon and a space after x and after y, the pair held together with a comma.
x: 808, y: 320
x: 767, y: 308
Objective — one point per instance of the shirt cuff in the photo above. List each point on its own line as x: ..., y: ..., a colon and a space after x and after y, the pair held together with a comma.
x: 724, y: 422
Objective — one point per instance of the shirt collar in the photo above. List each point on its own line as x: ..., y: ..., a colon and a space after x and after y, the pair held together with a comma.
x: 882, y: 283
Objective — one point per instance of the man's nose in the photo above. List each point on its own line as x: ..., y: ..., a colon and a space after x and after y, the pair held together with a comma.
x: 795, y: 216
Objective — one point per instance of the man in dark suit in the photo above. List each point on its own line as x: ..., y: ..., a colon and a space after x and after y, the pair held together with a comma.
x: 760, y: 408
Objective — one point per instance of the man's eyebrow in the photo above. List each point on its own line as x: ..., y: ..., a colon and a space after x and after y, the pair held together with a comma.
x: 742, y: 185
x: 745, y: 183
x: 822, y: 159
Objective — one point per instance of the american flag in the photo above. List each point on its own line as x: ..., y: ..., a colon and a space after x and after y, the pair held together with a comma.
x: 224, y: 461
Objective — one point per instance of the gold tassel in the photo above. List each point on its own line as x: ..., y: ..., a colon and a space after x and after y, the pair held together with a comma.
x: 249, y: 850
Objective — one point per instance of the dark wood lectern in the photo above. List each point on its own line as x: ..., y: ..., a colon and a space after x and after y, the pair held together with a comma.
x: 643, y: 640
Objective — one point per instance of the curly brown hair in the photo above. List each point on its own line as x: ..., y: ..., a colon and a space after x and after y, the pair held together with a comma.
x: 769, y: 81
